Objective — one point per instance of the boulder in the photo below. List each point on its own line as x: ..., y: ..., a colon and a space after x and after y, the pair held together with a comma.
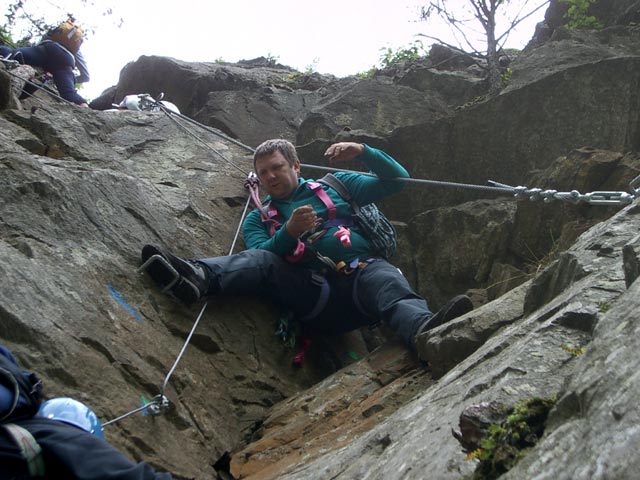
x: 250, y: 100
x: 376, y: 105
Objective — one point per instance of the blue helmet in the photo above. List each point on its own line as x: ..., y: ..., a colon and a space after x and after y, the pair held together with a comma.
x: 73, y: 412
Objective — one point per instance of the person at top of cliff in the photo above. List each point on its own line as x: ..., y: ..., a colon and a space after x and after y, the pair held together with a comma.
x: 282, y: 262
x: 59, y: 54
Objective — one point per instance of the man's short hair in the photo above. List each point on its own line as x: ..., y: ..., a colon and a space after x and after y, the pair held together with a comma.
x: 281, y: 145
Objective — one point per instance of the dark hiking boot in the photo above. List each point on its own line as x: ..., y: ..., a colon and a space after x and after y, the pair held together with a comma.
x: 184, y: 279
x: 454, y: 308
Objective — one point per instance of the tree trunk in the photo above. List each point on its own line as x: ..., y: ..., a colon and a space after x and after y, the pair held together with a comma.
x: 495, y: 83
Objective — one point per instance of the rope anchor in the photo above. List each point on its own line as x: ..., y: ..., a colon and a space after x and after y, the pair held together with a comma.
x: 158, y: 405
x: 593, y: 198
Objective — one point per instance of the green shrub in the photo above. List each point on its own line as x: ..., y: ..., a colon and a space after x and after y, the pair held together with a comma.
x: 368, y: 74
x: 577, y: 15
x: 505, y: 77
x: 390, y: 57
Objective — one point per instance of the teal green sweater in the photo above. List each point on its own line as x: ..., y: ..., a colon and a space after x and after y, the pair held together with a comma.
x: 364, y: 189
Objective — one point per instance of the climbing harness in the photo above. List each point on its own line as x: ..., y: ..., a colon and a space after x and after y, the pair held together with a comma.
x: 30, y: 450
x: 374, y: 225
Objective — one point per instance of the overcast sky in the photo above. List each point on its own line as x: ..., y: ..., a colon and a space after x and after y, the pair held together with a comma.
x: 341, y: 37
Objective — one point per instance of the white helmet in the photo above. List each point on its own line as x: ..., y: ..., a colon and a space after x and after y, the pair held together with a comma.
x: 130, y: 102
x: 169, y: 106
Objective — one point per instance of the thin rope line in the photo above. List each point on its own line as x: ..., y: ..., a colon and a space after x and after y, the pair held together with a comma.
x: 244, y: 212
x: 207, y: 145
x: 58, y: 97
x: 439, y: 183
x: 117, y: 419
x: 496, y: 189
x: 211, y: 130
x: 184, y: 347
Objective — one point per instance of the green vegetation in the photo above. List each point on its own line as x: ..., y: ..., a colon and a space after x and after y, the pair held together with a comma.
x: 24, y: 24
x: 510, y: 440
x: 369, y: 73
x: 578, y: 15
x: 272, y: 60
x: 604, y: 306
x: 312, y: 67
x: 35, y: 26
x: 505, y: 76
x: 390, y: 57
x: 5, y: 37
x: 573, y: 351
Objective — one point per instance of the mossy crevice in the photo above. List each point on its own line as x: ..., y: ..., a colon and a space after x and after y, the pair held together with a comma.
x: 508, y: 441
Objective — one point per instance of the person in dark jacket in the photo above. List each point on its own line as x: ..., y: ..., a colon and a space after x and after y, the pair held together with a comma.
x: 54, y: 58
x: 64, y: 441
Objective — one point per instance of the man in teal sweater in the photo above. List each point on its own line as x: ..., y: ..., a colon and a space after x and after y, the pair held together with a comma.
x: 286, y: 260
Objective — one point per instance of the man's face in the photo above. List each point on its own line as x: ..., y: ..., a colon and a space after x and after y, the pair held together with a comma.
x: 278, y: 178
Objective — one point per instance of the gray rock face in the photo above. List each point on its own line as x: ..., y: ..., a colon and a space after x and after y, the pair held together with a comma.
x: 81, y: 192
x: 501, y: 354
x: 593, y: 430
x: 495, y: 140
x: 555, y: 284
x: 606, y: 12
x: 12, y: 83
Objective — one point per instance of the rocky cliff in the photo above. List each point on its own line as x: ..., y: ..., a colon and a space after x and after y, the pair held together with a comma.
x: 555, y: 285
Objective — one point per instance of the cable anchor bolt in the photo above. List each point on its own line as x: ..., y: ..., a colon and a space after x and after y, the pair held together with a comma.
x: 159, y: 405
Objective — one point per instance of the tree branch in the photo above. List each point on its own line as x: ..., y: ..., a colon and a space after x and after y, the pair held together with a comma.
x: 516, y: 21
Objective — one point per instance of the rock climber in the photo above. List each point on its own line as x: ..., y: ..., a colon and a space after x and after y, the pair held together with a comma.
x: 59, y: 54
x: 295, y: 260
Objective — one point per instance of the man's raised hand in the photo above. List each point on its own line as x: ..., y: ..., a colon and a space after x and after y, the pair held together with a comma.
x: 344, y: 151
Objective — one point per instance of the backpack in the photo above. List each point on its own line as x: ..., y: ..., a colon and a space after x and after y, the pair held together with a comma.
x: 20, y: 397
x: 374, y: 225
x: 67, y: 34
x: 20, y: 391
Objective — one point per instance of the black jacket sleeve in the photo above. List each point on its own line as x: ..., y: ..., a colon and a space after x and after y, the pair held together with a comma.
x: 72, y: 453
